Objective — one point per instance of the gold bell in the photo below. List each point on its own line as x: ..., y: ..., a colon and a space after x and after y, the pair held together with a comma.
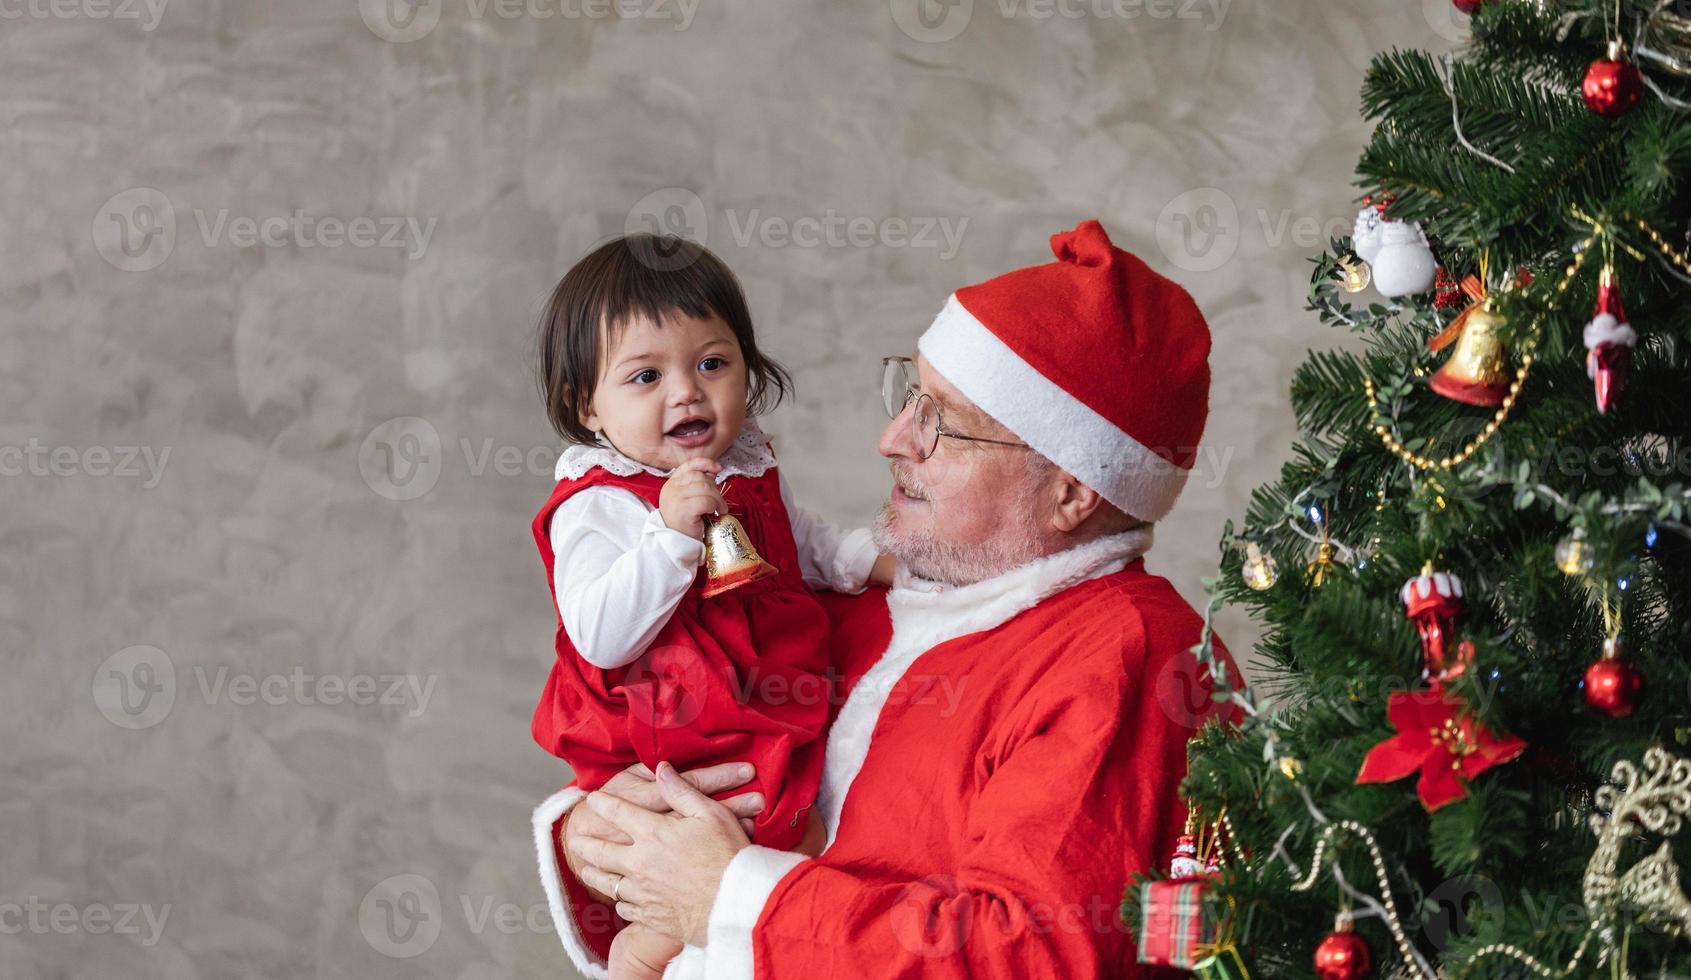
x: 730, y: 559
x: 1477, y: 372
x: 1318, y: 570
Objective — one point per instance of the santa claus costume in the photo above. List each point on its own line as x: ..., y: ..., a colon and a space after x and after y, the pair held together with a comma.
x: 649, y: 670
x: 1008, y: 752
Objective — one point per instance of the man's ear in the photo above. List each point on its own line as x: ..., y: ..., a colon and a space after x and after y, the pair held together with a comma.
x: 1074, y: 502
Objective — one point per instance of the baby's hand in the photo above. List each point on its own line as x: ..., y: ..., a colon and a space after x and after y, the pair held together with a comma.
x: 815, y: 836
x: 690, y: 495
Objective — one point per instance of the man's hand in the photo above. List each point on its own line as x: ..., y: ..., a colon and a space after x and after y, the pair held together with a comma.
x: 690, y: 495
x: 667, y: 877
x: 637, y: 785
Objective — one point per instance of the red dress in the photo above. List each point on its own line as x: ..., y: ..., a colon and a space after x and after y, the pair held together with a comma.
x: 739, y: 677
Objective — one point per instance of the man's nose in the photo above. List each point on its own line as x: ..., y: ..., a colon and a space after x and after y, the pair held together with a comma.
x: 896, y: 440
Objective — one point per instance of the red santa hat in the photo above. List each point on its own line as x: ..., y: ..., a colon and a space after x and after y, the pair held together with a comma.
x: 1097, y: 362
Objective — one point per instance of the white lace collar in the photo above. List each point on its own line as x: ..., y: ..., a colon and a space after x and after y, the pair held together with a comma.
x: 748, y: 455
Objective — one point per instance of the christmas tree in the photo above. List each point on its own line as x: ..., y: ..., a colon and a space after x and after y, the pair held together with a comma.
x: 1464, y: 753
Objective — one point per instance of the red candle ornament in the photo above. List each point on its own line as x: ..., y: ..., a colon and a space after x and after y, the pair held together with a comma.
x: 1433, y: 600
x: 1609, y: 342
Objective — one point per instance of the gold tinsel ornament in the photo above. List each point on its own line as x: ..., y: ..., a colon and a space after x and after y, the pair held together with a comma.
x: 1654, y: 799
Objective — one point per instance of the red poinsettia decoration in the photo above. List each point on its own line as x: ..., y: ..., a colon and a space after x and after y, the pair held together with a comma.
x: 1438, y: 735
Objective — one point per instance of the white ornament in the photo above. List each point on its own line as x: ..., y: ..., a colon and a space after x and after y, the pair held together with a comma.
x: 1365, y: 238
x: 1404, y: 264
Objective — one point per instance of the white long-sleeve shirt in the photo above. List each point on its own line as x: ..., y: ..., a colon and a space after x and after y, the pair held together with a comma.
x: 619, y: 572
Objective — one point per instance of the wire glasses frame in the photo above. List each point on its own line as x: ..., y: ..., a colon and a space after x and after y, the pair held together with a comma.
x: 899, y: 388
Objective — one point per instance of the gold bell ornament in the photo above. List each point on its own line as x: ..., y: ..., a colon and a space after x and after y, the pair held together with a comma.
x: 730, y: 559
x: 1477, y: 372
x: 1318, y: 570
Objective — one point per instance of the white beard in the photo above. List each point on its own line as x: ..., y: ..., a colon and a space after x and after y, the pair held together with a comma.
x: 927, y: 554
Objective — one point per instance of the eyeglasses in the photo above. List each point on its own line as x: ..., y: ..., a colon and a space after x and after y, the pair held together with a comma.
x: 899, y: 388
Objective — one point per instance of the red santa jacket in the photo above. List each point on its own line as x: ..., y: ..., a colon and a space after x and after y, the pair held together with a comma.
x: 1008, y: 756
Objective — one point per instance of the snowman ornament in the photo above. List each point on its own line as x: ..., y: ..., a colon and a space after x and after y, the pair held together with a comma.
x: 1397, y: 251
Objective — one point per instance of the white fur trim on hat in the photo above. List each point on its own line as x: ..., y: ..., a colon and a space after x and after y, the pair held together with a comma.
x: 1056, y: 424
x: 1604, y: 328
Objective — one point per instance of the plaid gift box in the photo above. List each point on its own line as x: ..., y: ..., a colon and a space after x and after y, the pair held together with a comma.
x: 1173, y: 930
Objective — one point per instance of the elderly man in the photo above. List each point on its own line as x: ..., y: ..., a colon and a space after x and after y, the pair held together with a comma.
x: 1009, y: 746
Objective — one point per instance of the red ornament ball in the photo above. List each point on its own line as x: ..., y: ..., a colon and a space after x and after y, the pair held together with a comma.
x: 1612, y: 87
x: 1468, y: 6
x: 1342, y: 956
x: 1612, y: 686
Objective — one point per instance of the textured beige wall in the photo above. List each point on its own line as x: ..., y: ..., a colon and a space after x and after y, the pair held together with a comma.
x: 181, y: 632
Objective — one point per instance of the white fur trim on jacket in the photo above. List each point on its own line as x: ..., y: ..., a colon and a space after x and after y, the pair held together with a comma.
x: 552, y: 880
x: 925, y: 615
x: 746, y: 886
x: 1056, y: 424
x: 689, y: 965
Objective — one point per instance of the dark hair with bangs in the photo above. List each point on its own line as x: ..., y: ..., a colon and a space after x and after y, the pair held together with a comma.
x: 651, y: 276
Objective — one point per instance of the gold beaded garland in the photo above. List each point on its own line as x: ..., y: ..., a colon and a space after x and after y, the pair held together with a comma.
x: 1655, y: 238
x: 1422, y: 462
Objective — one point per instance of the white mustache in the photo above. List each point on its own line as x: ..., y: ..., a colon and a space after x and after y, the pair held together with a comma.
x: 908, y: 482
